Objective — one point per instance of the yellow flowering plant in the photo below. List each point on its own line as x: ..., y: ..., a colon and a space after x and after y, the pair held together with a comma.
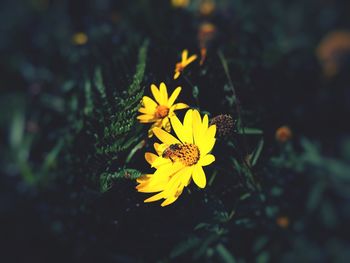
x: 179, y: 159
x: 159, y: 110
x: 185, y: 61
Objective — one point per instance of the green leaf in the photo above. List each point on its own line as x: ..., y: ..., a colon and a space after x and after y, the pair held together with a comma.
x: 257, y: 151
x: 185, y: 247
x: 195, y: 92
x: 252, y: 131
x: 88, y: 98
x: 140, y: 69
x: 17, y: 129
x: 106, y: 179
x: 224, y: 254
x: 263, y: 257
x: 315, y: 196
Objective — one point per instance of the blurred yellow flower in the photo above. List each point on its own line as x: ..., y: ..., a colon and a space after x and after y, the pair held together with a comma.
x: 282, y: 221
x: 79, y: 38
x: 283, y: 134
x: 206, y: 7
x: 185, y: 61
x: 206, y: 33
x: 159, y: 111
x: 180, y: 3
x: 332, y: 51
x: 178, y: 160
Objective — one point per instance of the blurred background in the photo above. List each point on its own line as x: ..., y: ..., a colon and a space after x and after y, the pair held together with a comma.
x: 72, y: 74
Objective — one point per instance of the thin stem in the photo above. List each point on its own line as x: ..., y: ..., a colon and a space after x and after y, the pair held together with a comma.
x: 239, y: 117
x: 190, y: 83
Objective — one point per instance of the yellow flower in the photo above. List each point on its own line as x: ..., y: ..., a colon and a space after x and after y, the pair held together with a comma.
x: 178, y: 160
x: 180, y: 3
x: 206, y: 7
x: 185, y: 61
x: 80, y: 38
x: 159, y: 111
x: 283, y: 134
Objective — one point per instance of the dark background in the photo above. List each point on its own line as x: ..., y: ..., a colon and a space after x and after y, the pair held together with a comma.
x: 52, y: 207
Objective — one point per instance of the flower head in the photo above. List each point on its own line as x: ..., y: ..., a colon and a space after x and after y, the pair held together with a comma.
x: 206, y: 7
x: 282, y: 221
x: 180, y: 3
x: 224, y: 124
x: 178, y: 160
x: 283, y: 134
x: 80, y: 38
x: 332, y: 51
x: 159, y: 111
x: 185, y: 61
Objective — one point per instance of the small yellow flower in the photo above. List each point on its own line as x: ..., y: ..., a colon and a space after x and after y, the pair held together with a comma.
x: 178, y: 160
x: 80, y: 38
x: 206, y: 7
x: 159, y: 111
x: 283, y: 221
x: 283, y: 134
x: 180, y: 3
x: 332, y: 50
x: 185, y: 61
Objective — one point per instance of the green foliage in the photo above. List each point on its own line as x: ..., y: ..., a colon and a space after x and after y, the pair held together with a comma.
x: 107, y: 179
x: 109, y: 123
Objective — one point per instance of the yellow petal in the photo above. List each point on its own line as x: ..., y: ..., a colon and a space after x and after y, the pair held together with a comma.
x: 166, y: 124
x: 148, y: 188
x: 149, y: 103
x: 156, y: 93
x: 152, y: 184
x: 154, y: 198
x: 197, y: 126
x: 205, y: 122
x: 174, y: 96
x: 165, y: 137
x: 186, y: 176
x: 157, y: 123
x: 160, y: 161
x: 165, y: 172
x: 179, y: 130
x: 207, y: 141
x: 175, y: 186
x: 199, y: 176
x: 146, y: 111
x: 190, y: 60
x: 143, y: 178
x: 163, y: 94
x: 179, y: 106
x: 169, y: 201
x: 188, y: 125
x: 177, y: 74
x: 159, y: 148
x: 145, y: 118
x: 206, y: 146
x: 211, y: 132
x: 184, y: 55
x: 206, y: 160
x: 150, y: 157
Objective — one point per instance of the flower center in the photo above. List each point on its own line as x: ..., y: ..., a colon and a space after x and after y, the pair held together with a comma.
x: 188, y: 153
x: 161, y: 111
x: 179, y: 67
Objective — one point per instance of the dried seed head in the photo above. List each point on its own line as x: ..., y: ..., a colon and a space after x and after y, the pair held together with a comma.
x: 224, y: 124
